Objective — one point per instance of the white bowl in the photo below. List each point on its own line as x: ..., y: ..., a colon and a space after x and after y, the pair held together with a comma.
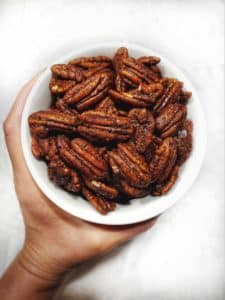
x: 139, y: 209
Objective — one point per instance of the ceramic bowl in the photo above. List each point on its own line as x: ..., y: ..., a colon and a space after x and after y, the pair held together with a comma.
x: 139, y: 209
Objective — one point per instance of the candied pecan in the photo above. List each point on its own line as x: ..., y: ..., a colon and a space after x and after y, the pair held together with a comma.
x: 43, y: 122
x: 149, y: 60
x: 120, y: 54
x: 100, y: 126
x: 100, y: 203
x: 150, y: 151
x: 36, y: 148
x: 156, y: 70
x: 133, y: 71
x: 151, y: 63
x: 132, y: 192
x: 137, y: 72
x: 185, y: 96
x: 92, y: 62
x: 44, y: 148
x: 128, y: 85
x: 163, y: 160
x: 172, y: 89
x: 90, y: 92
x: 82, y: 156
x: 101, y: 188
x: 184, y: 142
x: 60, y: 86
x: 126, y: 162
x: 141, y: 97
x: 61, y: 106
x: 170, y: 119
x: 61, y: 175
x: 142, y: 116
x: 66, y: 71
x: 162, y: 188
x: 93, y: 71
x: 120, y: 84
x: 144, y: 124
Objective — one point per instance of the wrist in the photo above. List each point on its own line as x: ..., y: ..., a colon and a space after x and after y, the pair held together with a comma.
x: 19, y: 283
x: 40, y: 265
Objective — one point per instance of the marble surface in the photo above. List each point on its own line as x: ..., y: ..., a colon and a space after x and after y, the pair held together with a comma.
x: 182, y: 257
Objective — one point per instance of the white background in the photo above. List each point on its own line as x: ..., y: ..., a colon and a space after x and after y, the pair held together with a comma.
x: 182, y: 257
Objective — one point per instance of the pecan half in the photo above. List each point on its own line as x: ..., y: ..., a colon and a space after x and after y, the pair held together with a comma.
x: 162, y: 188
x: 155, y: 69
x: 89, y: 92
x: 82, y: 156
x: 136, y: 72
x: 101, y: 188
x: 185, y: 97
x: 163, y: 160
x: 66, y: 71
x: 59, y: 86
x: 43, y: 122
x: 172, y: 90
x: 36, y: 147
x: 45, y: 148
x: 129, y: 165
x: 100, y: 126
x: 151, y: 63
x: 144, y: 96
x: 92, y: 62
x: 141, y: 116
x: 170, y: 120
x: 132, y: 192
x: 63, y: 176
x: 61, y: 106
x: 93, y: 71
x: 100, y: 203
x: 150, y: 151
x: 144, y: 124
x: 120, y: 54
x: 184, y: 142
x: 149, y: 60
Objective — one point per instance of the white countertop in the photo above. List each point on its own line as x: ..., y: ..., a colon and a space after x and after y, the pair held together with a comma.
x: 182, y: 257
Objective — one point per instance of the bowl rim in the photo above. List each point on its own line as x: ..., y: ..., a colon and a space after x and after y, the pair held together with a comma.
x: 111, y: 219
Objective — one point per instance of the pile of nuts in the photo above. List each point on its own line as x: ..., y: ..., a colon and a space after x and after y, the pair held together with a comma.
x: 116, y: 129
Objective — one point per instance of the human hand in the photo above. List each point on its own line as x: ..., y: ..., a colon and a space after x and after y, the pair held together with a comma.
x: 55, y: 241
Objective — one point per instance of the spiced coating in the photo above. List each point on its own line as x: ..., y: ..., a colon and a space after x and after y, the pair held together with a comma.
x: 184, y: 142
x: 170, y: 120
x: 104, y: 127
